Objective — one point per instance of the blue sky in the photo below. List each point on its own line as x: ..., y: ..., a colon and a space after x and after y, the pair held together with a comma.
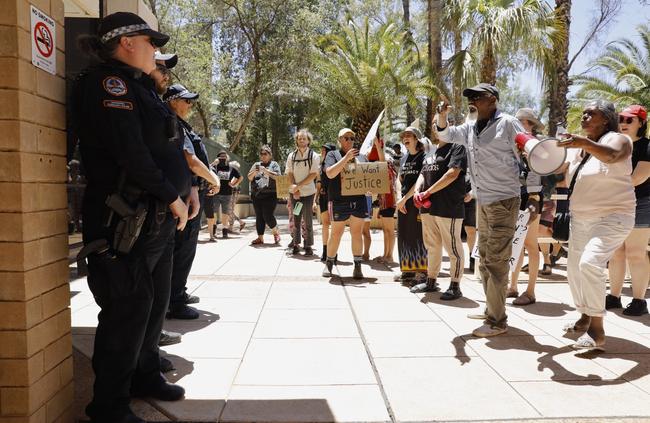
x: 631, y: 15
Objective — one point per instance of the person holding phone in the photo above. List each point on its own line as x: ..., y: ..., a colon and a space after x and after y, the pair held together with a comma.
x: 344, y: 209
x: 264, y: 194
x: 230, y: 178
x: 602, y: 206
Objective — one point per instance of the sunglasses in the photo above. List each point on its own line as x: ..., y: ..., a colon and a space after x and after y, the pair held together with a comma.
x: 625, y: 119
x: 188, y: 101
x: 474, y: 97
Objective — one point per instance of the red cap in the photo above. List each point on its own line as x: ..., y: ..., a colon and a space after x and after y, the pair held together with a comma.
x: 635, y: 111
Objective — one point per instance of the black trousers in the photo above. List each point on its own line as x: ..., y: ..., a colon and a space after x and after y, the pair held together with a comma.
x: 133, y: 294
x: 264, y: 212
x: 185, y: 243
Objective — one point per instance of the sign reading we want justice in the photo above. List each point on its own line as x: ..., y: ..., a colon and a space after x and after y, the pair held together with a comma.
x: 360, y: 178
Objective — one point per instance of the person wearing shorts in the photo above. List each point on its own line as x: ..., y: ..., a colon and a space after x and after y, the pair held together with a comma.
x: 344, y: 208
x: 230, y: 178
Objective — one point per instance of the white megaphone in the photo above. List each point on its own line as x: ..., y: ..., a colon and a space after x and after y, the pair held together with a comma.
x: 544, y: 156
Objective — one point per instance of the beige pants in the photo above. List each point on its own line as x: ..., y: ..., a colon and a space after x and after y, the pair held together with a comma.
x: 439, y: 232
x: 496, y: 228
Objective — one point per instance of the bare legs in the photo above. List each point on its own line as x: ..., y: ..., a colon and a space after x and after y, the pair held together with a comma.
x: 530, y: 245
x: 634, y: 251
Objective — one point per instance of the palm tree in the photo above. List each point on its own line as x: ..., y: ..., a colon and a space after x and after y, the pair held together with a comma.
x: 362, y: 70
x: 503, y: 27
x: 621, y: 74
x: 558, y: 75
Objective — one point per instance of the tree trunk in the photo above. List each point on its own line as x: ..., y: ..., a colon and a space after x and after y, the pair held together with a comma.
x: 406, y: 6
x: 255, y: 97
x: 434, y: 9
x: 204, y: 119
x: 489, y: 65
x: 456, y: 88
x: 277, y: 128
x: 559, y: 88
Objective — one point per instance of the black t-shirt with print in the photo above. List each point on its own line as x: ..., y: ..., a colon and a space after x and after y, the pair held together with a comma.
x: 641, y: 153
x: 447, y: 202
x: 225, y: 173
x: 410, y: 171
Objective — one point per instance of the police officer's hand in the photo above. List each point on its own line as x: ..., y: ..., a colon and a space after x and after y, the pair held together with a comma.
x: 179, y: 210
x: 193, y: 203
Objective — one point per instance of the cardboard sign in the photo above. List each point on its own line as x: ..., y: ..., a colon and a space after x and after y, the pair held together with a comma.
x: 282, y: 185
x: 360, y: 178
x: 43, y: 41
x: 521, y: 229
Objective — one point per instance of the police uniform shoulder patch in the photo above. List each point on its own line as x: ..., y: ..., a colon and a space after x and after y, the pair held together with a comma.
x: 118, y: 104
x: 115, y: 86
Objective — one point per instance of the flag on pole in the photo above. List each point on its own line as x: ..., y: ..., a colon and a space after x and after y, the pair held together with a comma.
x: 370, y: 137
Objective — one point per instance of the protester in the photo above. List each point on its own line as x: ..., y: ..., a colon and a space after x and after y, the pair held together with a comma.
x: 386, y: 202
x: 410, y: 245
x: 633, y: 122
x: 531, y: 193
x: 344, y: 209
x: 264, y: 194
x: 230, y: 178
x: 494, y: 171
x: 602, y: 205
x: 440, y: 193
x: 302, y: 168
x: 323, y: 199
x: 236, y: 190
x: 551, y: 251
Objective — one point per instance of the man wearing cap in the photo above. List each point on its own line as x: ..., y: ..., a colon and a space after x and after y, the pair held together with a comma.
x: 494, y: 171
x: 180, y: 100
x: 344, y: 208
x: 162, y: 74
x: 132, y: 156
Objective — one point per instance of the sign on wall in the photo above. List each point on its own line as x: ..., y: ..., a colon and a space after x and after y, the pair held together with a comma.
x: 43, y: 41
x: 360, y: 178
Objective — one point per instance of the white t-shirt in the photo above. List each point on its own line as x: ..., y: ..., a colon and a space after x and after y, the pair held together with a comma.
x: 301, y: 165
x: 601, y: 188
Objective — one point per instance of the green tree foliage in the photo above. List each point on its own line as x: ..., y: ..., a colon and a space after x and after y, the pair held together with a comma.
x: 363, y: 70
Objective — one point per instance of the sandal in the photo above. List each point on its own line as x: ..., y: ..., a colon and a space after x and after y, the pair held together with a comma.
x: 586, y: 342
x: 546, y: 270
x: 512, y: 293
x: 524, y: 300
x: 257, y: 241
x: 572, y: 328
x: 276, y: 238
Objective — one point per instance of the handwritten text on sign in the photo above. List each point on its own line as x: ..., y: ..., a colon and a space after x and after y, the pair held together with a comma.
x: 282, y: 185
x: 521, y: 229
x: 360, y: 178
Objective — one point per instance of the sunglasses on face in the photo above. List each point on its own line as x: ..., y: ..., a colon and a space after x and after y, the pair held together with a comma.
x: 188, y: 101
x: 625, y: 119
x: 475, y: 97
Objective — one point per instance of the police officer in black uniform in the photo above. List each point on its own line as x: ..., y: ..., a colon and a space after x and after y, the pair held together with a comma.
x: 180, y: 100
x: 137, y: 179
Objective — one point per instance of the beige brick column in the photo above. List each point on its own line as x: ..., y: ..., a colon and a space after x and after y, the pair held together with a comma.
x: 35, y: 340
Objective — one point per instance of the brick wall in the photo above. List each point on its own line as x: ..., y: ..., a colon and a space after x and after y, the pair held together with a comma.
x: 35, y: 340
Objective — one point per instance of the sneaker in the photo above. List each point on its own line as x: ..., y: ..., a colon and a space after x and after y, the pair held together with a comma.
x: 309, y: 251
x: 451, y: 294
x: 487, y: 331
x: 169, y: 338
x: 327, y: 272
x: 295, y: 250
x: 190, y: 299
x: 636, y: 308
x: 404, y: 276
x: 429, y: 286
x: 224, y: 233
x: 612, y: 302
x: 183, y: 312
x: 357, y: 273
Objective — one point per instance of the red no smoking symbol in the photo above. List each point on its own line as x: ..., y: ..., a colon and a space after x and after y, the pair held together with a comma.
x: 43, y: 38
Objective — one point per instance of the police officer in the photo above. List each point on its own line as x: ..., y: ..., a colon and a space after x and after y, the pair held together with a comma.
x: 180, y: 101
x: 131, y: 153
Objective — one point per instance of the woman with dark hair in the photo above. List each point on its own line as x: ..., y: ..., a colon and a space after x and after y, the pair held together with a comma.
x: 264, y: 194
x: 633, y: 122
x: 410, y: 245
x: 602, y: 207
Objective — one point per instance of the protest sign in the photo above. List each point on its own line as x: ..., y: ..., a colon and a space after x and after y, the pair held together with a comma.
x: 521, y: 229
x: 360, y: 178
x: 282, y: 185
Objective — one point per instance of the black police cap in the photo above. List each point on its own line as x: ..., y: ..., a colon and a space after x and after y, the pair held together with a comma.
x: 179, y: 91
x: 126, y: 23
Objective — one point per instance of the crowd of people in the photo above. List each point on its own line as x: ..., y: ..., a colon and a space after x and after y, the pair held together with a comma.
x: 149, y: 179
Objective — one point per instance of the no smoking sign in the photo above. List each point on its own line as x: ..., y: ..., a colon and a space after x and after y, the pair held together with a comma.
x: 43, y: 41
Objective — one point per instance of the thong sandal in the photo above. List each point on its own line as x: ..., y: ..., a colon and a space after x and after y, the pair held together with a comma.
x: 572, y: 328
x: 586, y: 342
x: 524, y: 299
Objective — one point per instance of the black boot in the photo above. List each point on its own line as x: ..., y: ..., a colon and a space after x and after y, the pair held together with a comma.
x: 357, y: 273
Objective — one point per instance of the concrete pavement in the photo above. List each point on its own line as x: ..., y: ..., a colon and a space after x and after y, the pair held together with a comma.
x: 277, y: 342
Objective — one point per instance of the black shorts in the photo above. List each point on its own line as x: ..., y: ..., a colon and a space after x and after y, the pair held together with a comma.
x: 208, y: 206
x: 470, y: 214
x: 389, y: 212
x: 322, y: 203
x: 341, y: 210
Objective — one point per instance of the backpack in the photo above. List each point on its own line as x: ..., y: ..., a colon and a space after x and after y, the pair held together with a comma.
x: 309, y: 159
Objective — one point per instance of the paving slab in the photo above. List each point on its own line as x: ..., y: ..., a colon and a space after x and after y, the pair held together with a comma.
x: 303, y: 323
x: 392, y: 310
x: 446, y: 388
x: 354, y: 403
x: 215, y: 340
x: 306, y: 362
x: 219, y: 288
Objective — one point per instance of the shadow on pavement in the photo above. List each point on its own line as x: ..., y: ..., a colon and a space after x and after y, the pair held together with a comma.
x: 462, y: 302
x: 546, y: 309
